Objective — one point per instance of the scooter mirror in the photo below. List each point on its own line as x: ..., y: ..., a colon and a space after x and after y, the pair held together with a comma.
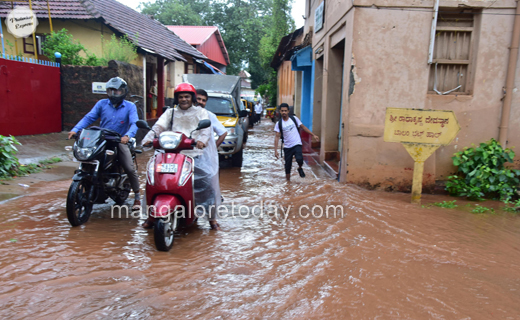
x: 142, y: 124
x: 203, y: 124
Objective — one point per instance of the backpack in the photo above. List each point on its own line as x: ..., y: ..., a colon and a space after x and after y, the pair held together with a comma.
x: 281, y: 129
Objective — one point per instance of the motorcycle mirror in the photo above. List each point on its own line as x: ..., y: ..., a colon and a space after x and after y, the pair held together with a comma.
x: 142, y: 125
x: 203, y: 124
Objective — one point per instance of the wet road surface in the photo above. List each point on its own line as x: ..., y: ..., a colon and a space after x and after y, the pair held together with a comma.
x: 384, y: 259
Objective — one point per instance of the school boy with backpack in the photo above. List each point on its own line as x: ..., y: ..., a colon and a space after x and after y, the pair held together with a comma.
x: 288, y: 129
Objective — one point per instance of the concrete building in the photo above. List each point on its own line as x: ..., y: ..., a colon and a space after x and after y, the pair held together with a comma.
x: 366, y: 55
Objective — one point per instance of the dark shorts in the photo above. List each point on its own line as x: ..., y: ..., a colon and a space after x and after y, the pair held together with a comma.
x: 295, y: 151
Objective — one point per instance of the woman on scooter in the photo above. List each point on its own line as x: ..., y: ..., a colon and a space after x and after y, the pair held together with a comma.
x: 185, y: 118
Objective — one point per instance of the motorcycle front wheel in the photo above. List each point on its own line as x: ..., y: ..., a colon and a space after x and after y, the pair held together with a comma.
x: 164, y: 233
x: 79, y: 207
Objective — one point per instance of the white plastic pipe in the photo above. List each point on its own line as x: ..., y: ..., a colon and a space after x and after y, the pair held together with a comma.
x: 433, y: 31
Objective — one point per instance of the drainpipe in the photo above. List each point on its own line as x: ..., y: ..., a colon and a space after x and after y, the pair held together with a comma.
x: 510, y: 80
x: 144, y: 87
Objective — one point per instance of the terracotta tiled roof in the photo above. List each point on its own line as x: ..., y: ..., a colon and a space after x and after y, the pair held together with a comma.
x: 146, y: 33
x: 284, y: 48
x: 60, y: 9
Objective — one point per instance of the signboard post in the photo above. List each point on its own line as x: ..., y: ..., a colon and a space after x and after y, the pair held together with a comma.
x: 421, y: 132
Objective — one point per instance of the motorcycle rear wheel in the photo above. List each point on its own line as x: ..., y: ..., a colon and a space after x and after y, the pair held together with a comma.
x: 79, y: 207
x: 164, y: 233
x: 121, y: 195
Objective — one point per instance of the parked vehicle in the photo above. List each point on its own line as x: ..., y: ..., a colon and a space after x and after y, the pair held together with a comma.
x: 99, y: 175
x: 170, y: 183
x: 250, y: 111
x: 270, y: 112
x: 224, y: 101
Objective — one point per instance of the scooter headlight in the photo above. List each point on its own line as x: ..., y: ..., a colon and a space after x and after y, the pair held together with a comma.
x: 150, y: 171
x: 169, y: 140
x: 230, y: 131
x: 84, y: 154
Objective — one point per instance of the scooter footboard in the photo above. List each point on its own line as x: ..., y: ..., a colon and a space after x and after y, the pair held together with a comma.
x: 164, y: 204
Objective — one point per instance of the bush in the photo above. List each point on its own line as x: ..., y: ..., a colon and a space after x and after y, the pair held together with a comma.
x: 119, y: 49
x: 63, y: 43
x: 114, y: 49
x: 481, y: 173
x: 8, y: 161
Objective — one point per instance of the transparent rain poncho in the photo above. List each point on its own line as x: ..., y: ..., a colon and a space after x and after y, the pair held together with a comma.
x: 206, y: 184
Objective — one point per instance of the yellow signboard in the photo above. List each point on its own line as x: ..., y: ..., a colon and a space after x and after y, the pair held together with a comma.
x: 421, y: 132
x: 420, y: 126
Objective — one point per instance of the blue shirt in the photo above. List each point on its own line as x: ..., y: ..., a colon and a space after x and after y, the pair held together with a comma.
x: 121, y: 119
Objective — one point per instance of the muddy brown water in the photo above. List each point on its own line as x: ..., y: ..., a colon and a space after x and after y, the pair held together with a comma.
x: 384, y: 259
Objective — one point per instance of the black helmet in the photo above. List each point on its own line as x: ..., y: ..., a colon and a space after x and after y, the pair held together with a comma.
x: 116, y: 90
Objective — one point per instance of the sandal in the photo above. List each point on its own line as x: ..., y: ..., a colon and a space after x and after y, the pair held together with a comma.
x: 214, y: 225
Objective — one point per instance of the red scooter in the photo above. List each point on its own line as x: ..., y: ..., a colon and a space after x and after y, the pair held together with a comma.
x: 169, y: 184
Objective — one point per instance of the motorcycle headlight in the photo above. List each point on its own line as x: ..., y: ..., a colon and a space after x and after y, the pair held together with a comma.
x: 83, y: 154
x: 169, y: 140
x: 230, y: 130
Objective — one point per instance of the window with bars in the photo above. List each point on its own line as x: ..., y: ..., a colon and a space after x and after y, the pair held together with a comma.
x: 28, y: 45
x: 451, y: 70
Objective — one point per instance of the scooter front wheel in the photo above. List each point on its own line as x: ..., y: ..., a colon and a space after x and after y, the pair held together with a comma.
x: 79, y: 207
x: 164, y: 232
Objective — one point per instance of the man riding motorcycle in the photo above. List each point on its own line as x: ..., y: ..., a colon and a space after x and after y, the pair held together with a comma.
x: 119, y: 115
x: 185, y: 118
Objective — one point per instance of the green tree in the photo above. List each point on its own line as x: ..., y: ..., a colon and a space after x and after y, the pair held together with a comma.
x: 281, y: 24
x: 251, y: 29
x: 241, y: 23
x: 178, y: 12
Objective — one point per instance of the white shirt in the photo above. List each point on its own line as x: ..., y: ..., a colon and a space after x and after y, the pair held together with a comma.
x: 258, y: 108
x: 218, y: 128
x: 291, y: 136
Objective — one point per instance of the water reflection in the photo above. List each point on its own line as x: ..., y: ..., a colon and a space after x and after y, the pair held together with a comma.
x: 384, y: 259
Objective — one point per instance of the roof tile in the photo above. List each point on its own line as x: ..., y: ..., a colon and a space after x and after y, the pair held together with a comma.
x: 142, y: 30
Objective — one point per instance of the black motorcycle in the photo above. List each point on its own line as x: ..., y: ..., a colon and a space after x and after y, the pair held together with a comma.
x: 99, y: 175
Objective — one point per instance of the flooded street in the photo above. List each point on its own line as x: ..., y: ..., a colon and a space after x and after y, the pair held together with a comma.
x: 383, y: 258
